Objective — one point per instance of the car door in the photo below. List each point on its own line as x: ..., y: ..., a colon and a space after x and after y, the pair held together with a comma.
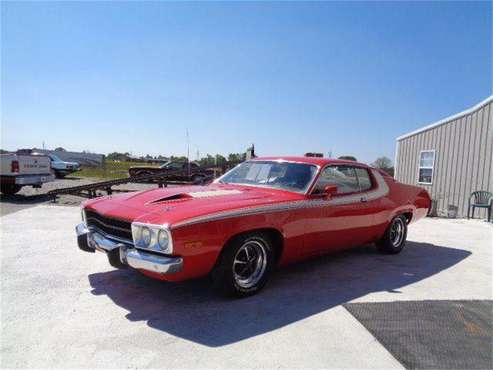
x: 346, y: 219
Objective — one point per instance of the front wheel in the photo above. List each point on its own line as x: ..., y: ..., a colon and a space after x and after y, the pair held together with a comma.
x: 394, y: 239
x: 244, y: 265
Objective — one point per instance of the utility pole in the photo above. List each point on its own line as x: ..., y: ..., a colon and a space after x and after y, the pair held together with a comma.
x: 188, y: 152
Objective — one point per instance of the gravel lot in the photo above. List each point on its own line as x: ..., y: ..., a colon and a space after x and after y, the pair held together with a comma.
x: 64, y: 308
x: 18, y: 201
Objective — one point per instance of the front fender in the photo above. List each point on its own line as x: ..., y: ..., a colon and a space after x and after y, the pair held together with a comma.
x: 200, y: 244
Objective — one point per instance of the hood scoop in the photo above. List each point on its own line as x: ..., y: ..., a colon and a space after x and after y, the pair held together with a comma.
x: 195, y: 194
x: 170, y: 198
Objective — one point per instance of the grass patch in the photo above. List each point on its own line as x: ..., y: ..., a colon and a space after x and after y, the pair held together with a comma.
x: 112, y: 170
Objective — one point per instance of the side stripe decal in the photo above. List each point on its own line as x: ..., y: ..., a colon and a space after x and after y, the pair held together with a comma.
x: 381, y: 191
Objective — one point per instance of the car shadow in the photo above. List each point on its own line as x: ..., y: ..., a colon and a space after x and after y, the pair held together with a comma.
x: 18, y: 202
x: 23, y: 199
x: 191, y: 310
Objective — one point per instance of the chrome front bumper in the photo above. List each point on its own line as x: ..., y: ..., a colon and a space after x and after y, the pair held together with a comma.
x: 92, y: 240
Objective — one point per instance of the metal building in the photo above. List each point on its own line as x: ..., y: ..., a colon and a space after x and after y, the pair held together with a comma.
x: 450, y: 158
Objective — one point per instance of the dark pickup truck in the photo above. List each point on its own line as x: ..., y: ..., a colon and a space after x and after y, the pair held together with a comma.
x: 179, y: 171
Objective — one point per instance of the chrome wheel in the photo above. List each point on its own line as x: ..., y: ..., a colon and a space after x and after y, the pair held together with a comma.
x: 397, y: 232
x: 250, y: 263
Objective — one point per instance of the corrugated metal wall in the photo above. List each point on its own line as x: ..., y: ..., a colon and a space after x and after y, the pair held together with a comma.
x: 463, y: 158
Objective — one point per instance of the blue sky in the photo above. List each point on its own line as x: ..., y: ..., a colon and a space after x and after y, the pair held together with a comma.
x: 346, y: 78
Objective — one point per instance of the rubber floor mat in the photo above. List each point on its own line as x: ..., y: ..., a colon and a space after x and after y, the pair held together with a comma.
x: 432, y: 334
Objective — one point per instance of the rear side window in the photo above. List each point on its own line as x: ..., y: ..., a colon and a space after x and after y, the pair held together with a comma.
x: 343, y: 176
x: 347, y: 178
x: 363, y: 179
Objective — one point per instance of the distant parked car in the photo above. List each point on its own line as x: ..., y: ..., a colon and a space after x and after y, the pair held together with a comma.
x: 62, y: 168
x: 23, y: 168
x: 180, y: 170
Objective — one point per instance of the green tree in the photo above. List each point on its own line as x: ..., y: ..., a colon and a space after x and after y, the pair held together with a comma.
x: 385, y: 164
x: 236, y: 157
x: 220, y: 160
x: 207, y: 161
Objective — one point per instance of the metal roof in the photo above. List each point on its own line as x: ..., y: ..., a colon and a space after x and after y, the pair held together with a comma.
x: 448, y: 119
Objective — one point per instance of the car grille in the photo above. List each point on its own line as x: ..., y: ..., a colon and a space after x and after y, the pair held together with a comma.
x: 111, y: 226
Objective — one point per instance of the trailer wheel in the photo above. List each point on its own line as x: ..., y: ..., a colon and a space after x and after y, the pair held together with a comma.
x: 10, y: 189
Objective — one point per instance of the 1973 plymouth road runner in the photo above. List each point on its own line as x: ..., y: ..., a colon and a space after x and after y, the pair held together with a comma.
x: 263, y: 213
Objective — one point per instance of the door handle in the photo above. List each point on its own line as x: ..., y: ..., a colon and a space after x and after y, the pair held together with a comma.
x: 364, y: 199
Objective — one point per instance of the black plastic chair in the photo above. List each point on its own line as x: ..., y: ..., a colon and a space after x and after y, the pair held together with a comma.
x: 482, y: 199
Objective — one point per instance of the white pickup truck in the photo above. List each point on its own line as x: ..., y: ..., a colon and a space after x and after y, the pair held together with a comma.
x: 23, y: 169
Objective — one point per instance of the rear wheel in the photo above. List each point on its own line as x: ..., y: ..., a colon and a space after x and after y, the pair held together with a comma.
x: 244, y: 265
x: 10, y: 189
x: 394, y: 239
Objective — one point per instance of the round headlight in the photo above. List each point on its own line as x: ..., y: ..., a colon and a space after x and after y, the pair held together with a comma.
x: 163, y: 239
x: 137, y: 233
x: 146, y: 236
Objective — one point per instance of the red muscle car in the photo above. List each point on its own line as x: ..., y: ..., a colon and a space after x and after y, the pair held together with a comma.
x: 263, y: 213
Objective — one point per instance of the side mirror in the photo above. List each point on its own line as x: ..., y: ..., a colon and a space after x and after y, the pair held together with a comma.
x: 330, y: 190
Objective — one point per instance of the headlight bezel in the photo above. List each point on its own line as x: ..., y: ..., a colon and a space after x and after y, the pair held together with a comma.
x: 154, y: 246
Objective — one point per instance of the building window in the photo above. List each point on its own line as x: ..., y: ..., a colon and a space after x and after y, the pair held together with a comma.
x: 426, y: 164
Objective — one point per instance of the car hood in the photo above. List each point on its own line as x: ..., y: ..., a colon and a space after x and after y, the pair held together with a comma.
x: 174, y: 205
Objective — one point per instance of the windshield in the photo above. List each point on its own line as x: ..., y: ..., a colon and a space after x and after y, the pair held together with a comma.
x: 279, y: 175
x: 54, y: 158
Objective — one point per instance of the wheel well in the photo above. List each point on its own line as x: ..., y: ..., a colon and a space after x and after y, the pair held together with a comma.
x: 275, y: 236
x: 408, y: 216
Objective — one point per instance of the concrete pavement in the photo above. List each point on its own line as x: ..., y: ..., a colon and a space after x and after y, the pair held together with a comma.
x: 61, y: 307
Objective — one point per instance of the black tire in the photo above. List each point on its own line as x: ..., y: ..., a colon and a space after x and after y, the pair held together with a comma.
x: 226, y: 275
x: 10, y: 189
x: 59, y: 175
x: 394, y: 238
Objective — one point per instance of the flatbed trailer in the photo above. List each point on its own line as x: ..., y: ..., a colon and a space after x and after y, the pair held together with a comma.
x: 90, y: 190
